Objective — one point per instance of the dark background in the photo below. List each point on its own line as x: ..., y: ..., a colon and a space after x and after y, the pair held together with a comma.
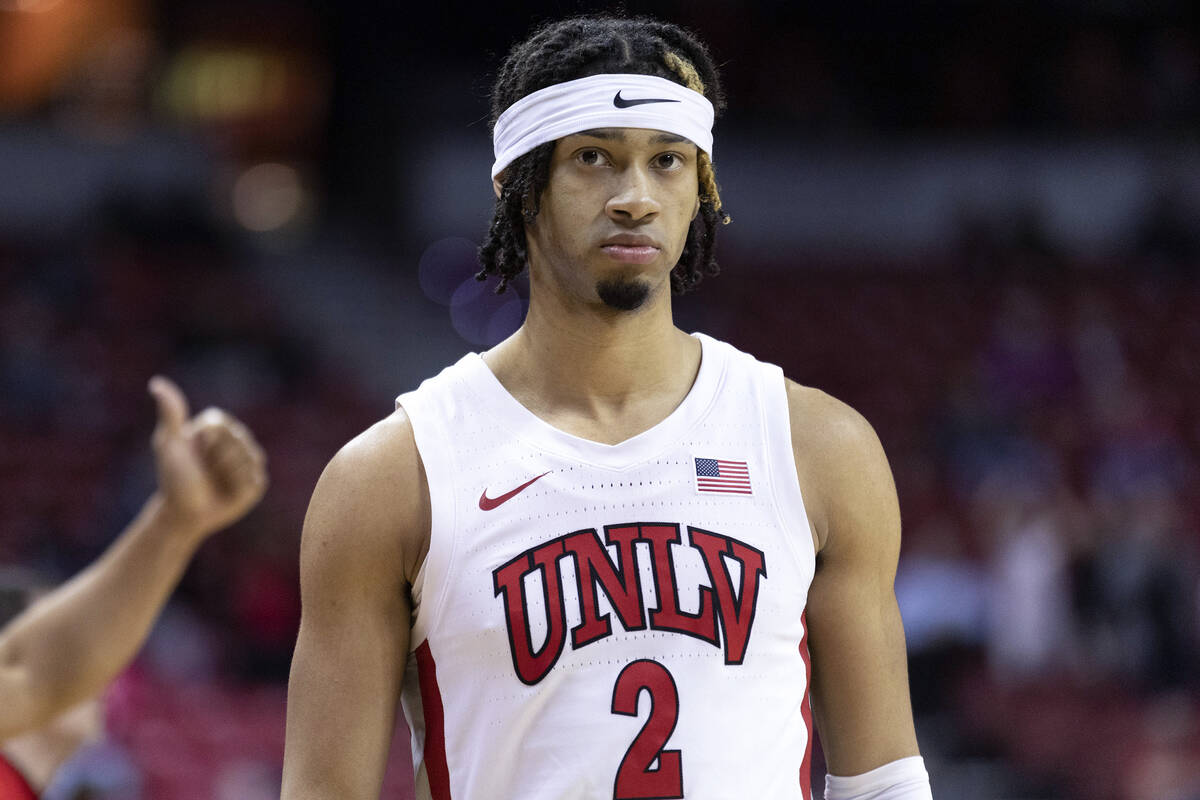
x: 976, y: 222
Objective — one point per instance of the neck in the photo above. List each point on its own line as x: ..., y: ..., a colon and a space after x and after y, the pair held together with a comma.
x: 595, y: 371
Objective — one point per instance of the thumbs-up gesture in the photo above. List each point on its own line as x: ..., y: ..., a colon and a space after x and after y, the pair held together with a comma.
x: 211, y: 471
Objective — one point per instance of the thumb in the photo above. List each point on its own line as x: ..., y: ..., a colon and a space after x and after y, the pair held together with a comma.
x: 172, y: 406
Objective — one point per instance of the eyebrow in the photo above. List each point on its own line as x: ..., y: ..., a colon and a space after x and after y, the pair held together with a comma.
x: 618, y: 134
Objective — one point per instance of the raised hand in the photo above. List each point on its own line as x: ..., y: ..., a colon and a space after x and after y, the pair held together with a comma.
x: 211, y: 471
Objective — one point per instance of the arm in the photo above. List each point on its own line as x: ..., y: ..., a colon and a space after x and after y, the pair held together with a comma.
x: 860, y: 676
x: 364, y: 539
x: 66, y: 647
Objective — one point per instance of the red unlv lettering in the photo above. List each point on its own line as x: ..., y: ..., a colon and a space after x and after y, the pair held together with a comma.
x: 724, y: 618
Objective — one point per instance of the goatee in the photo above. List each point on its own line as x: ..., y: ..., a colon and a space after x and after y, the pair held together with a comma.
x: 623, y: 294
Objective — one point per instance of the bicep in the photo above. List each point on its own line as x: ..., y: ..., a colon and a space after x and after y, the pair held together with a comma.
x: 856, y: 639
x: 342, y: 695
x: 353, y: 643
x: 860, y: 675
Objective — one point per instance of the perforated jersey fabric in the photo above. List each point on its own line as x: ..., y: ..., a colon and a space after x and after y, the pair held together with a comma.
x: 611, y: 621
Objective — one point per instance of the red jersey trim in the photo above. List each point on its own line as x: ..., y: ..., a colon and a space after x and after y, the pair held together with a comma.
x: 806, y: 713
x: 435, y: 725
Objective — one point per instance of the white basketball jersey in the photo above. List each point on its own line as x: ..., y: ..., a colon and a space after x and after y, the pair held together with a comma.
x: 611, y: 621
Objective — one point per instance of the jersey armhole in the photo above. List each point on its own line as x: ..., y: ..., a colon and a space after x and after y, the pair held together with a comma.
x: 781, y: 459
x: 430, y: 586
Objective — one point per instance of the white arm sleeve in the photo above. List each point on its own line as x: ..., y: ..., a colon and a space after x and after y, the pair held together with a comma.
x: 903, y: 779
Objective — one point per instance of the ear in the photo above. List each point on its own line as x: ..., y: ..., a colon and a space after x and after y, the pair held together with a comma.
x: 497, y: 186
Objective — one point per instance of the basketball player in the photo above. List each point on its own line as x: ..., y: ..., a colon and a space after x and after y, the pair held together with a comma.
x: 66, y: 647
x: 593, y: 561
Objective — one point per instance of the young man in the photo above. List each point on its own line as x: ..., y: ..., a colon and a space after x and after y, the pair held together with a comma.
x: 593, y: 561
x: 66, y: 647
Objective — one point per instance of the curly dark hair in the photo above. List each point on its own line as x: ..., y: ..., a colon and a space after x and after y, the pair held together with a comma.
x: 577, y: 48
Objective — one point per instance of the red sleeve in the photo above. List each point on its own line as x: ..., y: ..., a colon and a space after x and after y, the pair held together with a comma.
x: 13, y: 785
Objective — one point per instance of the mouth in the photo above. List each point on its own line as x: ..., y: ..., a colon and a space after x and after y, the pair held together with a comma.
x: 631, y: 249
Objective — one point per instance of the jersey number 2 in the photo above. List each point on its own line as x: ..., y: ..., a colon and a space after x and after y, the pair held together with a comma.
x: 636, y: 780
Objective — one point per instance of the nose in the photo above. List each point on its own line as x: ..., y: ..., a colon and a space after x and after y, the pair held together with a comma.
x: 633, y: 200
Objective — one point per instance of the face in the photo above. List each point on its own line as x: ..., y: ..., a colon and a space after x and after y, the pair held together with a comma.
x: 614, y: 216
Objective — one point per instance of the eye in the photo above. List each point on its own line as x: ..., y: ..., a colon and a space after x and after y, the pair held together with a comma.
x: 668, y: 161
x: 592, y: 157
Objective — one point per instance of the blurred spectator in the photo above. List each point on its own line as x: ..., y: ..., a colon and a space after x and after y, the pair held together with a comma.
x: 1030, y: 631
x: 943, y: 598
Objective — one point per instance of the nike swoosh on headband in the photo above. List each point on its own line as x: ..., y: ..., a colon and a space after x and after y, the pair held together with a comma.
x: 616, y: 100
x: 621, y: 102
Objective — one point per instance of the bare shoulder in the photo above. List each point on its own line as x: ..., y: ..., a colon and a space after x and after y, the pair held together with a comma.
x: 372, y: 499
x: 843, y: 470
x: 821, y: 418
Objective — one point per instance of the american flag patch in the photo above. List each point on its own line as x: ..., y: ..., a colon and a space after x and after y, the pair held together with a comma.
x: 719, y: 476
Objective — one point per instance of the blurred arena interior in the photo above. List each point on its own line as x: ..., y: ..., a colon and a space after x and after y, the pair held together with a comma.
x: 976, y: 222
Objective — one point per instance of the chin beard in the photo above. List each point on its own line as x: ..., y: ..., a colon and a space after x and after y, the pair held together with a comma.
x: 623, y: 294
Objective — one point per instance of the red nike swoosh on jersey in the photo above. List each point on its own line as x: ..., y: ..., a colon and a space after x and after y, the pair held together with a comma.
x: 488, y: 503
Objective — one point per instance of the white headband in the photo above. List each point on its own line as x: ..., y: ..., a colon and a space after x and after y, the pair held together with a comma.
x: 601, y: 101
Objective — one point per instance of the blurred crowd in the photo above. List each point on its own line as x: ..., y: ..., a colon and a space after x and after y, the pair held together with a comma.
x: 1042, y: 417
x: 966, y: 67
x: 83, y: 328
x: 83, y: 324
